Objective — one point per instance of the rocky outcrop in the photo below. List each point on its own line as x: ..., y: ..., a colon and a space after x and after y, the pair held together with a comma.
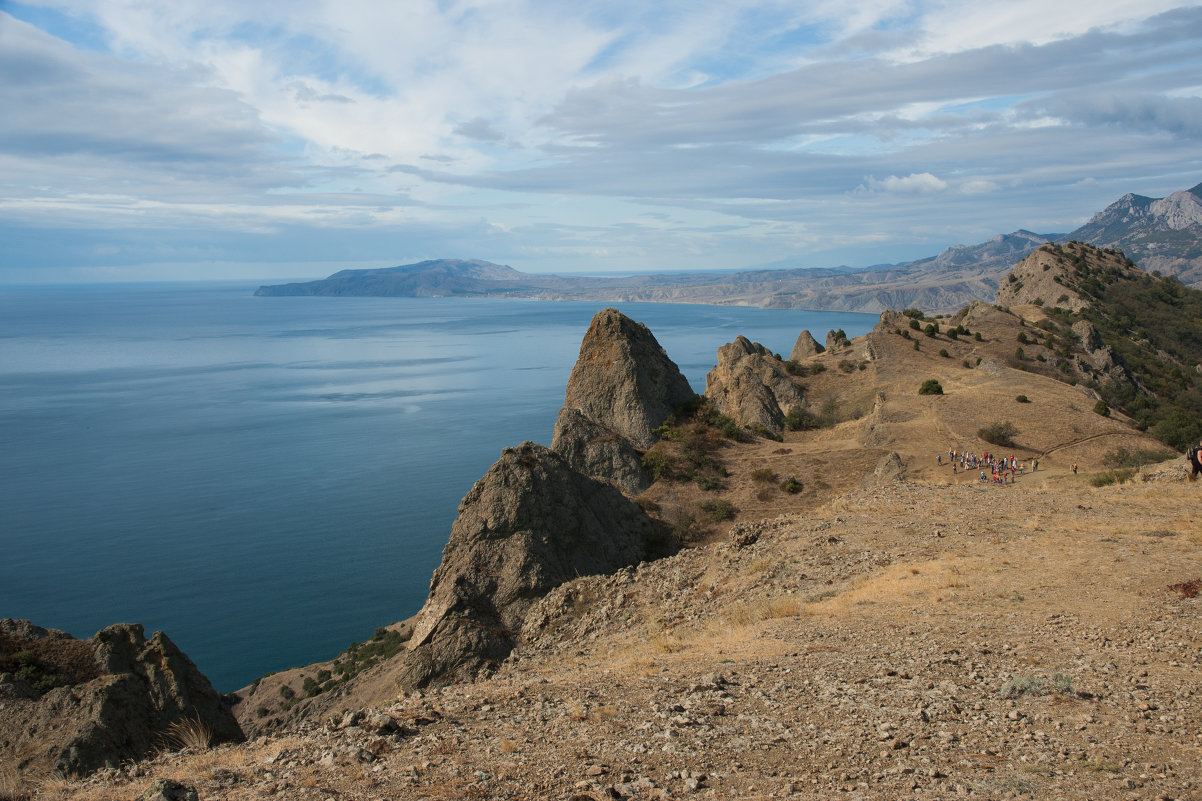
x: 805, y: 347
x: 752, y: 386
x: 73, y: 706
x: 600, y: 452
x: 622, y: 388
x: 836, y: 339
x: 530, y: 524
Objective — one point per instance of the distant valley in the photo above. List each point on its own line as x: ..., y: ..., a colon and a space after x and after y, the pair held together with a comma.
x: 1163, y: 234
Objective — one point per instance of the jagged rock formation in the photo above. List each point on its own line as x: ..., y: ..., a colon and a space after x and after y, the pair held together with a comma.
x: 74, y: 706
x: 752, y: 386
x: 805, y: 347
x: 836, y: 339
x: 622, y: 388
x: 530, y: 524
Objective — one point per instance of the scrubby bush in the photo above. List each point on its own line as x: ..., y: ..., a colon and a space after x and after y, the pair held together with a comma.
x: 1102, y: 408
x: 1023, y: 399
x: 791, y: 485
x: 943, y: 352
x: 999, y: 433
x: 930, y: 387
x: 764, y: 475
x: 718, y: 510
x: 1108, y: 477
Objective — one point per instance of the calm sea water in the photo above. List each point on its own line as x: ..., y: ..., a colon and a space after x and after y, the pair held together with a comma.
x: 268, y: 479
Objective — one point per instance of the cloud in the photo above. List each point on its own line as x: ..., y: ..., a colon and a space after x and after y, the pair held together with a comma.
x: 479, y: 129
x: 749, y: 124
x: 913, y: 184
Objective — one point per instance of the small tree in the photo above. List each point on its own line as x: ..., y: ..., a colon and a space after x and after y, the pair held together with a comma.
x: 1102, y: 408
x: 930, y: 387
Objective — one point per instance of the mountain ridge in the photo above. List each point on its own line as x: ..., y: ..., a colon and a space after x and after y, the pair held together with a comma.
x: 1159, y: 234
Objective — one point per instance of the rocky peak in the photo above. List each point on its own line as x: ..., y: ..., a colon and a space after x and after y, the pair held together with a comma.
x: 752, y: 387
x: 530, y: 524
x: 622, y: 388
x: 805, y: 347
x: 1044, y: 278
x: 75, y: 706
x: 624, y: 380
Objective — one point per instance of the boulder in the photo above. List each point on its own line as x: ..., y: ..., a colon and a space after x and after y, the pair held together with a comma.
x: 805, y: 347
x: 530, y: 524
x: 73, y: 706
x: 623, y: 380
x: 600, y: 452
x: 752, y: 386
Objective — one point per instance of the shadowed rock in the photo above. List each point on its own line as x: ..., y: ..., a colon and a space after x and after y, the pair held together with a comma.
x: 530, y: 524
x: 752, y: 387
x: 74, y: 706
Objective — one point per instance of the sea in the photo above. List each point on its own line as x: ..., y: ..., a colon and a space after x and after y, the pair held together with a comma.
x: 270, y: 479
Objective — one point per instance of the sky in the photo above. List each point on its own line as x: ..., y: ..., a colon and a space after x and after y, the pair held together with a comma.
x: 189, y: 140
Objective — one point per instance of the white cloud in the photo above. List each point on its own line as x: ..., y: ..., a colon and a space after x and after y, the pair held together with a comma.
x: 922, y: 183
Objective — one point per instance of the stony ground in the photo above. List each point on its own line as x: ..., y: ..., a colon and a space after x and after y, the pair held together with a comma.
x: 911, y: 640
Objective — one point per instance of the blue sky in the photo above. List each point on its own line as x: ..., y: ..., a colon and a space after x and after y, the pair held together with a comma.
x: 221, y: 139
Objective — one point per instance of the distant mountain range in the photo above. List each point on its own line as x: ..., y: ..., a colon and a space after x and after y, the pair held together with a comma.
x: 1163, y: 234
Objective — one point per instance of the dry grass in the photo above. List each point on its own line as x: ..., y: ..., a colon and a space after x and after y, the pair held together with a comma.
x: 748, y: 613
x: 189, y: 734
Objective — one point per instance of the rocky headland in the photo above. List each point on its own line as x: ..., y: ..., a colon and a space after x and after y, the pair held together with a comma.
x: 788, y: 587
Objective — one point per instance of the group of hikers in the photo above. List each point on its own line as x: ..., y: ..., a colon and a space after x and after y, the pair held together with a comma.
x: 1001, y: 470
x: 994, y: 469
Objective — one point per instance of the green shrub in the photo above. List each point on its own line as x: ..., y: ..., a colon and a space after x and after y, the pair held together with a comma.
x: 977, y: 336
x: 931, y: 329
x: 706, y: 483
x: 999, y: 433
x: 718, y: 510
x: 817, y: 367
x: 1019, y: 355
x: 791, y: 485
x: 917, y: 326
x: 287, y: 692
x: 1023, y: 399
x: 1102, y: 408
x: 943, y: 352
x: 930, y: 387
x: 798, y: 419
x: 913, y: 313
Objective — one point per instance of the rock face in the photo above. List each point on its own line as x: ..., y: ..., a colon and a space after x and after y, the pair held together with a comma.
x: 530, y: 524
x: 74, y: 706
x: 623, y: 380
x: 752, y: 387
x: 805, y: 347
x: 622, y: 388
x: 600, y: 452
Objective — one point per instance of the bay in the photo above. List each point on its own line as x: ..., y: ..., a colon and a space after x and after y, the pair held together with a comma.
x: 269, y: 479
